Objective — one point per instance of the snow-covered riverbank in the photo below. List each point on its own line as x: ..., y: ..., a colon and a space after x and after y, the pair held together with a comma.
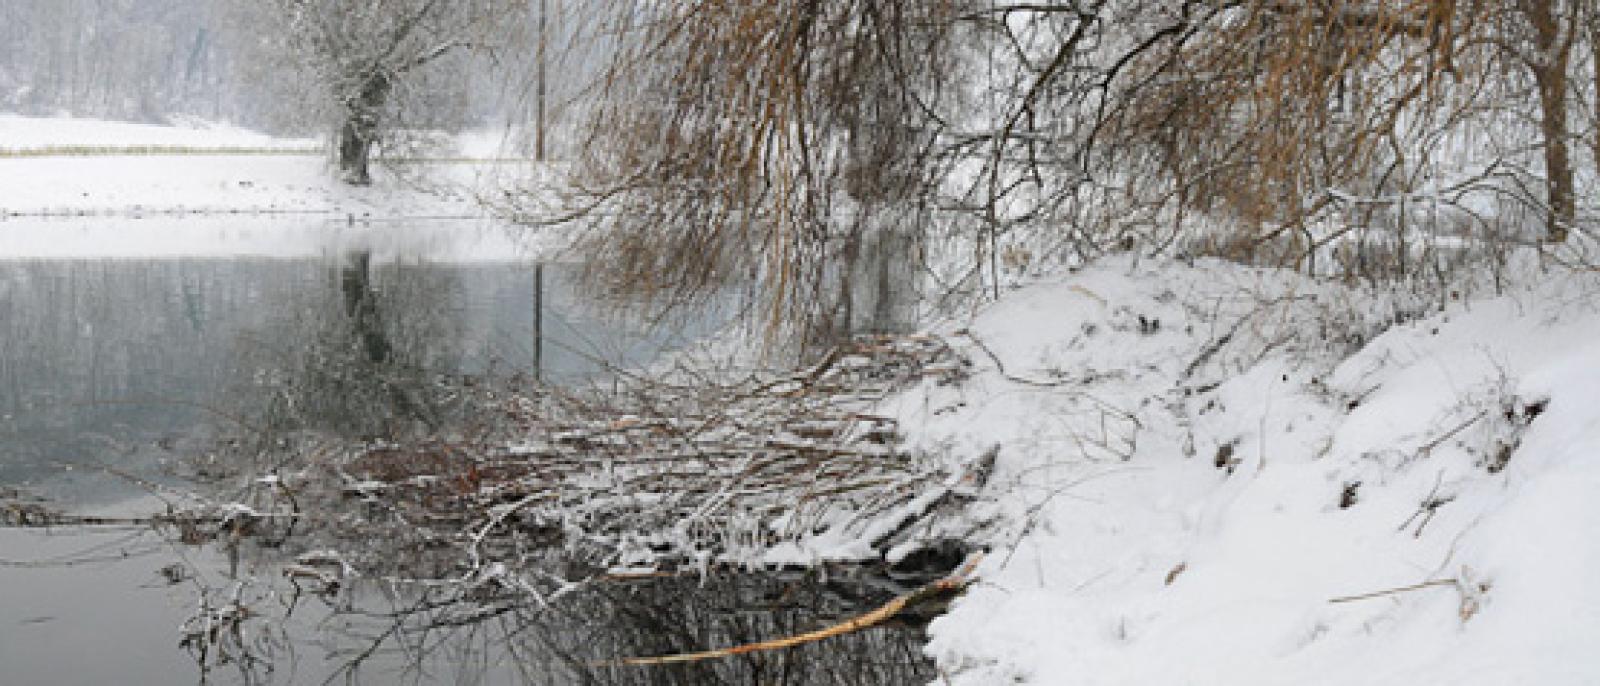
x: 1208, y: 475
x: 63, y: 167
x: 80, y: 188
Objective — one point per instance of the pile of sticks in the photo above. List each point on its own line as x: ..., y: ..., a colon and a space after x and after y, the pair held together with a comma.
x: 653, y: 473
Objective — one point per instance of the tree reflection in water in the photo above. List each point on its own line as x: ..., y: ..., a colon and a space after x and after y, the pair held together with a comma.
x: 359, y: 358
x: 577, y: 639
x: 661, y: 617
x: 365, y: 358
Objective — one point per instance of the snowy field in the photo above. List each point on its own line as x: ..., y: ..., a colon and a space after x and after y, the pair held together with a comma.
x: 88, y: 188
x: 1293, y: 505
x: 20, y: 135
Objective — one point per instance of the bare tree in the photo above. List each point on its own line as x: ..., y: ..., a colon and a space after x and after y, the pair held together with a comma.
x: 363, y: 55
x: 139, y: 61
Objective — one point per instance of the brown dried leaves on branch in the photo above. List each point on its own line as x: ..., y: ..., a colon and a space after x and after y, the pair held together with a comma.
x: 761, y: 142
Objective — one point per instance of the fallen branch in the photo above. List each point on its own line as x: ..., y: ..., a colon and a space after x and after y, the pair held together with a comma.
x: 947, y: 586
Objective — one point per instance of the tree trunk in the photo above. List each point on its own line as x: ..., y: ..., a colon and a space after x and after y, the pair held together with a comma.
x: 360, y: 130
x: 355, y: 147
x: 1549, y: 66
x: 1562, y: 209
x: 1594, y: 67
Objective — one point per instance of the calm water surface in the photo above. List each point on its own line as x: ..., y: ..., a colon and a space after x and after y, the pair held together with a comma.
x: 111, y: 369
x: 119, y: 363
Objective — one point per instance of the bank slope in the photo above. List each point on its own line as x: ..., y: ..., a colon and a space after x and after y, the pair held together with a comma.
x: 1209, y: 474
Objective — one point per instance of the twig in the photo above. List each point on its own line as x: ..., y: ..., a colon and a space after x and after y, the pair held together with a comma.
x: 1427, y: 448
x: 1393, y: 591
x: 1429, y: 507
x: 1001, y: 367
x: 1057, y: 383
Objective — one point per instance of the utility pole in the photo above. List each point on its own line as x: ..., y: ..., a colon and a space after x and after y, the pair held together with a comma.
x: 538, y: 140
x: 538, y: 155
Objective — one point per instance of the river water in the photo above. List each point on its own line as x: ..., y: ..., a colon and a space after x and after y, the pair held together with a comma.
x: 120, y: 362
x: 111, y: 370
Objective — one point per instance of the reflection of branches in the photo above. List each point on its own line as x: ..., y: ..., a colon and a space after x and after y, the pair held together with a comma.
x: 933, y: 591
x: 227, y: 629
x: 414, y: 633
x: 357, y: 362
x: 515, y: 524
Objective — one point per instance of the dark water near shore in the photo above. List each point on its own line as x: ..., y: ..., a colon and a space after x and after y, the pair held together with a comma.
x: 118, y: 363
x: 111, y: 371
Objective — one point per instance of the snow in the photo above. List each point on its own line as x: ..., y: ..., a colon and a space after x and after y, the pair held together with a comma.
x: 95, y: 200
x: 1207, y: 473
x: 1167, y: 568
x: 20, y: 133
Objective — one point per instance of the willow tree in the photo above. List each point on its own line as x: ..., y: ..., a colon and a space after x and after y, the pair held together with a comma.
x: 1282, y: 114
x: 769, y: 142
x: 781, y: 143
x: 362, y: 55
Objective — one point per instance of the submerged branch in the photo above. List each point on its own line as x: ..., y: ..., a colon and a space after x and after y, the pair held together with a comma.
x: 941, y: 589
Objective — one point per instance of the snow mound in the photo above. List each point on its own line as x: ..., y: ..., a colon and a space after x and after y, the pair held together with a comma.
x: 1211, y: 474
